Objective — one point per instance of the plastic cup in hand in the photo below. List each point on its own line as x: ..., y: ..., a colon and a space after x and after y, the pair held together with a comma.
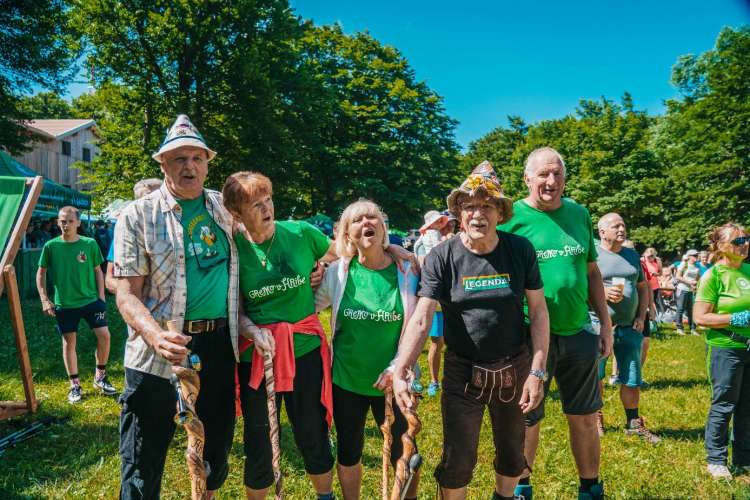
x: 619, y: 283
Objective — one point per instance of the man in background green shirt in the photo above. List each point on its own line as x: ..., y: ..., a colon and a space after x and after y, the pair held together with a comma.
x: 74, y: 264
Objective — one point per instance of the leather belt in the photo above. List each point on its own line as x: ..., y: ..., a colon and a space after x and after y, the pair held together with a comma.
x: 199, y: 326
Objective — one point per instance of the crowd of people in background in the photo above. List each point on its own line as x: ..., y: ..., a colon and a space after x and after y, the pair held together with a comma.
x: 510, y: 294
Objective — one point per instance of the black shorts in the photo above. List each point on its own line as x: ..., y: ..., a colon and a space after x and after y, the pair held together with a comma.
x: 306, y: 414
x: 573, y: 360
x: 95, y: 314
x: 463, y: 404
x: 350, y: 414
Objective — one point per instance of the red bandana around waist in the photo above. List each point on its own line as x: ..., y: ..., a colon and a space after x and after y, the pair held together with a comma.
x: 284, y: 367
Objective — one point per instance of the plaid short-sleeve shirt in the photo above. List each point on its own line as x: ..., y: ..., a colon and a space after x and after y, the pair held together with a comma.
x: 149, y: 243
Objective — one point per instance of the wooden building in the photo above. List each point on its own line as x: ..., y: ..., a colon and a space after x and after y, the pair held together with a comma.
x: 60, y: 144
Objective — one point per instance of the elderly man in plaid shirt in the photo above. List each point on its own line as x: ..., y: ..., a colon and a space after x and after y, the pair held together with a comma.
x: 175, y: 260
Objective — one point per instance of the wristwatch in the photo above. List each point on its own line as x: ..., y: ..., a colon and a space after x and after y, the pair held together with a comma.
x: 540, y: 374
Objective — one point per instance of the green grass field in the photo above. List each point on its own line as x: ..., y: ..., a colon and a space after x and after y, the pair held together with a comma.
x: 79, y: 459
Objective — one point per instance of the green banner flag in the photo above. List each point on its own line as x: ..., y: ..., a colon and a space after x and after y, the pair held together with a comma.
x: 11, y: 196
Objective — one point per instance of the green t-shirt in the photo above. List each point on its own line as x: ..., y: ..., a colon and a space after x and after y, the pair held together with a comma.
x: 72, y: 266
x: 206, y: 262
x: 280, y: 290
x: 368, y: 327
x: 728, y: 290
x: 564, y: 243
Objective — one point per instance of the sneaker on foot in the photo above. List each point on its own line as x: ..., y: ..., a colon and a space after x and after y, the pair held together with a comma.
x: 637, y: 427
x: 433, y: 389
x: 613, y: 379
x: 596, y: 492
x: 694, y: 332
x: 600, y: 423
x: 523, y: 492
x: 719, y: 471
x: 75, y: 394
x: 680, y: 331
x: 103, y: 385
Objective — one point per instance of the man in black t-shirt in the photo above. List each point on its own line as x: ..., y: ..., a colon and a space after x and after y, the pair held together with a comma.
x: 481, y: 279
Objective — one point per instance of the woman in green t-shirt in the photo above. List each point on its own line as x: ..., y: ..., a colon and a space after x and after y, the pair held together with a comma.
x: 722, y: 305
x: 371, y: 302
x: 275, y: 262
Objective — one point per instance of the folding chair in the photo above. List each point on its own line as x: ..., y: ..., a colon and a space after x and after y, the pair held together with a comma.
x: 17, y: 192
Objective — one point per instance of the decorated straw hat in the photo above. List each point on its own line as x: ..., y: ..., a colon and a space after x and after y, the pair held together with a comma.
x: 183, y: 133
x: 433, y: 219
x: 482, y: 181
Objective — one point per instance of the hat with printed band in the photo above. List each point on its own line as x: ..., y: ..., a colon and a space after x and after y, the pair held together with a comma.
x: 182, y: 133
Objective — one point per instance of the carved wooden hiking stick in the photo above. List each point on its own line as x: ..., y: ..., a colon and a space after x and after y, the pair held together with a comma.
x: 187, y: 385
x: 273, y: 424
x: 385, y: 428
x: 410, y: 461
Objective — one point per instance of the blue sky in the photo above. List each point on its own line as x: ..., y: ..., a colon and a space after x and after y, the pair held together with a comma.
x: 535, y: 59
x: 490, y: 59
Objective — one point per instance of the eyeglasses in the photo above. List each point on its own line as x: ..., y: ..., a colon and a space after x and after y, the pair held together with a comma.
x: 741, y: 240
x: 484, y: 207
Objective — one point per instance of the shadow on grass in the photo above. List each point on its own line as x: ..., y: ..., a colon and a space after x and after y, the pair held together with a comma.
x: 58, y: 454
x: 695, y: 434
x: 667, y: 383
x: 45, y: 345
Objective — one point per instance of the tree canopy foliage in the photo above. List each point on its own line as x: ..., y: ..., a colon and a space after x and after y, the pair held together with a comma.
x: 331, y: 117
x: 327, y: 116
x: 671, y: 177
x: 36, y: 49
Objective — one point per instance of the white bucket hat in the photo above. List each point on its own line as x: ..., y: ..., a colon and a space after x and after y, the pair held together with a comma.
x: 183, y: 133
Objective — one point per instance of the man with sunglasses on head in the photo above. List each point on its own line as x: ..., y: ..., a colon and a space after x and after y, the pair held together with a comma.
x: 175, y: 260
x: 560, y: 230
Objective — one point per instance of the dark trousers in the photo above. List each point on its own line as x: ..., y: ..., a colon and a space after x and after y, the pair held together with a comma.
x: 684, y: 301
x: 350, y: 415
x: 147, y: 425
x: 729, y: 371
x: 306, y: 414
x: 463, y: 406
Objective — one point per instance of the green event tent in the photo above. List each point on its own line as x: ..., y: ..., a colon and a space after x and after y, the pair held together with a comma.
x: 53, y: 195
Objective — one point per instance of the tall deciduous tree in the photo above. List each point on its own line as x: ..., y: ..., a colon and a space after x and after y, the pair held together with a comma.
x: 45, y: 105
x: 35, y: 51
x: 704, y: 139
x: 378, y: 133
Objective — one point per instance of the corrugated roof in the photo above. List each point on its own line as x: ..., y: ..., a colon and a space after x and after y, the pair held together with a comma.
x: 59, y: 128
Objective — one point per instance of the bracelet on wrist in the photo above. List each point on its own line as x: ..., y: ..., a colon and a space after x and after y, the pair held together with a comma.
x: 740, y: 319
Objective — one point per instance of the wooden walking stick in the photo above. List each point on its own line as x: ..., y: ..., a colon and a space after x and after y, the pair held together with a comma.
x: 385, y: 428
x: 187, y: 385
x: 273, y: 424
x: 410, y: 461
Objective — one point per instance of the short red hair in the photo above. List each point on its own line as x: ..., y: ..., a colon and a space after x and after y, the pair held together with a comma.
x: 242, y: 187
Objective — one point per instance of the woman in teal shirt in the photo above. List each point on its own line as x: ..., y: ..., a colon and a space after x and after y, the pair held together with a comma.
x: 371, y: 302
x: 723, y: 306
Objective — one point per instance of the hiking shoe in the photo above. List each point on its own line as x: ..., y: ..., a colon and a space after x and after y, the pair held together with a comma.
x: 637, y: 427
x: 719, y: 471
x: 103, y: 385
x: 75, y: 394
x: 523, y: 491
x: 596, y: 492
x: 600, y: 423
x: 433, y: 389
x: 613, y: 379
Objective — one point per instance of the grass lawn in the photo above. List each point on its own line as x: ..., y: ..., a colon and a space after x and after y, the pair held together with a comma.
x: 79, y: 459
